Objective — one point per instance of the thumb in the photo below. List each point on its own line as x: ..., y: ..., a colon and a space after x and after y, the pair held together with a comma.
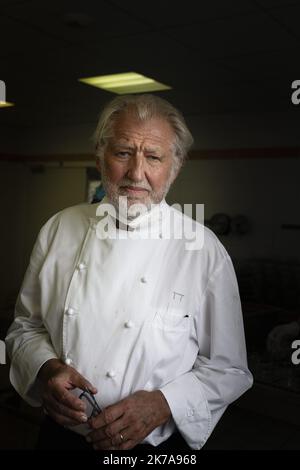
x: 90, y: 387
x: 81, y: 382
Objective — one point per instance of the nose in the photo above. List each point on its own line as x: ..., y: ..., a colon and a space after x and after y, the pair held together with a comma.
x: 136, y: 171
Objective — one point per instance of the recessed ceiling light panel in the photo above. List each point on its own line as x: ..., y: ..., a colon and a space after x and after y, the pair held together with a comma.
x: 5, y: 104
x: 123, y: 83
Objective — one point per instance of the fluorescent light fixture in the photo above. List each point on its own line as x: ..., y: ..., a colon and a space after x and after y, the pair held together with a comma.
x: 5, y: 104
x: 123, y: 83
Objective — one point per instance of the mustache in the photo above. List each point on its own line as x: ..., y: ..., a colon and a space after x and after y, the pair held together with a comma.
x: 134, y: 185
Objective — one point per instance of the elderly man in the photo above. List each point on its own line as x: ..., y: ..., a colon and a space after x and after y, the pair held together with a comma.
x: 130, y: 340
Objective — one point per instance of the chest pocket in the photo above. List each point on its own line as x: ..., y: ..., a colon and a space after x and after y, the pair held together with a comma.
x: 172, y: 320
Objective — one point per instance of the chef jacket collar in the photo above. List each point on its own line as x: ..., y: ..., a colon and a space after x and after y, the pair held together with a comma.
x: 151, y: 221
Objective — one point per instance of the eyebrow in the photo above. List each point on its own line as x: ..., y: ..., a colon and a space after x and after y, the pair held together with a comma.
x: 153, y: 150
x: 123, y: 145
x: 126, y: 146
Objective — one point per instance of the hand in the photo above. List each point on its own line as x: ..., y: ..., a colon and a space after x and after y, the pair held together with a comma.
x: 280, y: 338
x: 56, y: 379
x: 126, y: 423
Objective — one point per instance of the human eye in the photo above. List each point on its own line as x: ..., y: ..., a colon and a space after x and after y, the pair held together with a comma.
x: 123, y: 153
x: 153, y: 158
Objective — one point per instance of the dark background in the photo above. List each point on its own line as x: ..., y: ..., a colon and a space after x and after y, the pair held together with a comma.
x: 230, y: 65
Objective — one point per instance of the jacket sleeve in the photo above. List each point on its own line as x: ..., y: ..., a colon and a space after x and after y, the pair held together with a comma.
x: 28, y: 342
x: 220, y: 375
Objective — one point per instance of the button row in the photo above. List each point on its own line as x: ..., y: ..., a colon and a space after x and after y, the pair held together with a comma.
x: 82, y: 266
x: 71, y: 311
x: 110, y: 373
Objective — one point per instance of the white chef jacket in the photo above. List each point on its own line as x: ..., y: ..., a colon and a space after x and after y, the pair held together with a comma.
x: 133, y: 314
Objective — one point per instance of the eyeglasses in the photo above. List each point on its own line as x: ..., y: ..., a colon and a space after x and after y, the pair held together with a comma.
x: 89, y: 399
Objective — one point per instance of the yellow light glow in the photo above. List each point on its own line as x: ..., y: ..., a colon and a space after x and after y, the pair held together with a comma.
x: 123, y: 83
x: 5, y: 104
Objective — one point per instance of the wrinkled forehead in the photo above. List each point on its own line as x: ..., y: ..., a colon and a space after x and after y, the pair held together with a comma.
x: 155, y: 132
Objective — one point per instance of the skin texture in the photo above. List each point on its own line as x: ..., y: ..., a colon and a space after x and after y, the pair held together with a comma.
x: 56, y: 380
x: 138, y: 156
x: 133, y: 417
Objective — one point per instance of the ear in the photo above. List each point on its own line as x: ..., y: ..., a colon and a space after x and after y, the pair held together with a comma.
x: 176, y: 173
x: 98, y: 165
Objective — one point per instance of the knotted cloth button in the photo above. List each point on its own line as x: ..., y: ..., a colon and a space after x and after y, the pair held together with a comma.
x: 70, y: 311
x: 110, y: 374
x: 81, y: 266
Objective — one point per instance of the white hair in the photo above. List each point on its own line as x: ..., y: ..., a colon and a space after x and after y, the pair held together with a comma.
x: 145, y: 107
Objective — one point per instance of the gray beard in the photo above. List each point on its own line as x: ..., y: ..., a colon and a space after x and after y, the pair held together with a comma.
x: 123, y: 210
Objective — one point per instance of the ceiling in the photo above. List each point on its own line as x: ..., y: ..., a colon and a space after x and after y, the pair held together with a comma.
x: 219, y: 57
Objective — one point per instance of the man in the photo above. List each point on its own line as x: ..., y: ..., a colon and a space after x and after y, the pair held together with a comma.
x: 151, y: 329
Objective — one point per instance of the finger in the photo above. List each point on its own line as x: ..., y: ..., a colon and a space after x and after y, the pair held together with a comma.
x: 107, y: 444
x: 61, y: 419
x: 108, y: 415
x: 134, y: 433
x: 120, y: 437
x: 79, y: 381
x: 63, y: 396
x: 109, y: 431
x: 98, y: 435
x: 104, y: 445
x: 77, y: 416
x: 130, y: 444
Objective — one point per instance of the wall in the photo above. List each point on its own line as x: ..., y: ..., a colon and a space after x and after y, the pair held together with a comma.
x: 27, y: 200
x: 277, y: 129
x: 265, y: 190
